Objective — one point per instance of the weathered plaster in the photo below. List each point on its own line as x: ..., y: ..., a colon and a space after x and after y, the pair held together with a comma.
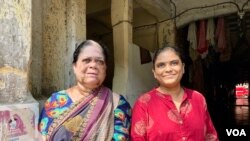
x: 76, y: 33
x: 37, y: 50
x: 15, y: 43
x: 64, y: 27
x: 54, y: 45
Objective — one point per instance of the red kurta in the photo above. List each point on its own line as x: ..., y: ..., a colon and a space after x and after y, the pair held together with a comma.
x: 155, y: 118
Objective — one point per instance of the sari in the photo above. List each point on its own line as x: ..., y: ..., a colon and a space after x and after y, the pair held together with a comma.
x: 88, y: 120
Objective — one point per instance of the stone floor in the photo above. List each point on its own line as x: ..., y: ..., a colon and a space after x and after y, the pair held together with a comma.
x: 234, y: 115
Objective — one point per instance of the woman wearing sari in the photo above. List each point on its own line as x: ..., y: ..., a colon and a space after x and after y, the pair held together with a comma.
x: 87, y: 111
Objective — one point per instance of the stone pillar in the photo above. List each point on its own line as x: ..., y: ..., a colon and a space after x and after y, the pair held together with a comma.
x: 122, y: 35
x: 35, y: 75
x: 54, y: 45
x: 15, y: 44
x: 166, y: 33
x: 76, y: 33
x: 64, y: 26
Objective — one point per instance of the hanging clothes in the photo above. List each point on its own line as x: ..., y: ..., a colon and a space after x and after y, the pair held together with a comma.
x: 220, y: 34
x: 210, y: 32
x: 202, y: 42
x: 192, y: 35
x: 145, y: 56
x: 192, y: 38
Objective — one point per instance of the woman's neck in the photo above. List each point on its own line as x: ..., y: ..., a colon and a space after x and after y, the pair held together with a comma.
x: 176, y: 93
x: 78, y: 92
x: 84, y: 90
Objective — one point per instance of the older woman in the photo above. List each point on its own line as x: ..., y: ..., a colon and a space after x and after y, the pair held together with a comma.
x: 171, y: 112
x: 88, y: 110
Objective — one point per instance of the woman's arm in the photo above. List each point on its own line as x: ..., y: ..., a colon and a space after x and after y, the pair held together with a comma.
x: 139, y: 122
x: 122, y: 120
x: 211, y: 134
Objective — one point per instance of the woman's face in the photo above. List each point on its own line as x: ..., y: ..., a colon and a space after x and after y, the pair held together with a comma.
x: 90, y: 68
x: 168, y: 69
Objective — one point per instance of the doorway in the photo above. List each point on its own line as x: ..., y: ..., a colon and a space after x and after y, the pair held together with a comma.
x: 223, y: 76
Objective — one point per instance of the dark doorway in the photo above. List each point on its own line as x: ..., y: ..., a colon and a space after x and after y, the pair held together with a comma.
x: 220, y: 73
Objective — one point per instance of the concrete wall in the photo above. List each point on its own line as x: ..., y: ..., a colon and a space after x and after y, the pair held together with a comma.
x: 144, y: 36
x: 140, y: 78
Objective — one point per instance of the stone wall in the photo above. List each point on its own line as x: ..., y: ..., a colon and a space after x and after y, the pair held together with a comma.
x: 37, y: 40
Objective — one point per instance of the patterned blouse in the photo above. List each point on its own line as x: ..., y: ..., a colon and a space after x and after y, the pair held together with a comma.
x: 60, y: 101
x: 156, y: 118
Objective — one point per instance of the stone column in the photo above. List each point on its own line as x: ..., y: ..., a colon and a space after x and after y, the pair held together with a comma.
x: 122, y: 35
x: 64, y: 26
x: 35, y: 75
x: 76, y: 33
x: 54, y: 45
x: 15, y: 44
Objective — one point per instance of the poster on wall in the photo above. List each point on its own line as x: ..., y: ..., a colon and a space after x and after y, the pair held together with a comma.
x: 18, y: 122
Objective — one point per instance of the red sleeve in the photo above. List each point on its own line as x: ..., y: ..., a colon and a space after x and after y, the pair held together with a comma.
x: 139, y: 122
x: 211, y: 134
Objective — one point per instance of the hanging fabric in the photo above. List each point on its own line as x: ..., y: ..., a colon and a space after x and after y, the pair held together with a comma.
x: 192, y: 38
x: 192, y: 35
x: 145, y: 56
x: 202, y: 42
x: 210, y: 32
x: 220, y: 34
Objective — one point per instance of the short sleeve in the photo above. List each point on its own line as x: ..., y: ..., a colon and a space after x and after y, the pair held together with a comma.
x: 211, y: 134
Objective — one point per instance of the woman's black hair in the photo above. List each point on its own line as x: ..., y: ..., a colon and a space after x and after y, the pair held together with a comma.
x: 176, y: 49
x: 86, y: 43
